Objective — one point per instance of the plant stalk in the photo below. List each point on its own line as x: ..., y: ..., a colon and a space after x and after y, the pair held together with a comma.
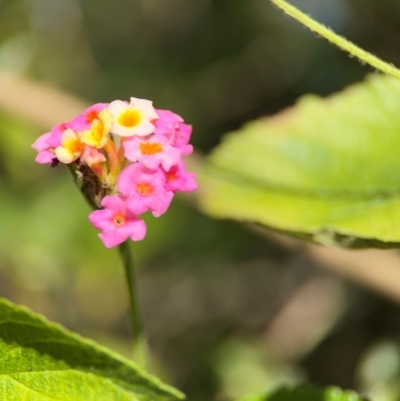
x: 140, y: 342
x: 139, y: 339
x: 342, y: 43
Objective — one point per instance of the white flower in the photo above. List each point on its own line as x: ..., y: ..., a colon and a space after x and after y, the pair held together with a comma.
x: 132, y: 119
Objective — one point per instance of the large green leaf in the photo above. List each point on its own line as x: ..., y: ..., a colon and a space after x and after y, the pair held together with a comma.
x: 40, y: 361
x: 327, y: 169
x: 308, y: 393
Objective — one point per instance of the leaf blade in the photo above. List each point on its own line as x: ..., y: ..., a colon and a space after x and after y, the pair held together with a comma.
x: 325, y: 168
x: 42, y: 361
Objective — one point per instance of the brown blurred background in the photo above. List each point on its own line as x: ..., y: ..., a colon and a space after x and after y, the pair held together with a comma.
x: 229, y: 310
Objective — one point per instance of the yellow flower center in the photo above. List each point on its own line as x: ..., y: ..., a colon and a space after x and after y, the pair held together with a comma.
x: 150, y: 148
x: 75, y: 146
x: 129, y: 118
x: 145, y: 188
x: 97, y: 130
x: 119, y: 219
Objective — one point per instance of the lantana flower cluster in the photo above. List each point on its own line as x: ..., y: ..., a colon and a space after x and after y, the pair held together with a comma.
x: 127, y: 159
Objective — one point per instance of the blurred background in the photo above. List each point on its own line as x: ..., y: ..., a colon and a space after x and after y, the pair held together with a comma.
x: 230, y: 310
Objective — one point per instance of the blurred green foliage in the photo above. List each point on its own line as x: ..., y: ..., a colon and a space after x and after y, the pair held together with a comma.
x: 308, y: 393
x: 211, y: 291
x: 323, y: 171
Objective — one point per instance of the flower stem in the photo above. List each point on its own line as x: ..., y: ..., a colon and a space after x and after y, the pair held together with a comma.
x: 140, y: 343
x: 337, y: 40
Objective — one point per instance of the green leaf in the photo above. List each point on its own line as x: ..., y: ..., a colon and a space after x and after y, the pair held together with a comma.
x: 308, y: 393
x: 327, y: 170
x: 40, y: 361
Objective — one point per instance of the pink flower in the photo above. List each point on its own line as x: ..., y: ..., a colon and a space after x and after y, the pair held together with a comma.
x: 151, y: 151
x: 84, y: 121
x: 171, y: 125
x: 182, y: 138
x: 47, y: 143
x: 178, y: 179
x: 167, y: 123
x: 92, y: 156
x: 42, y: 146
x: 145, y: 189
x: 54, y: 139
x: 116, y: 222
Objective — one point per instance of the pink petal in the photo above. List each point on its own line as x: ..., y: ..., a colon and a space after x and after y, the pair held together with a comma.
x: 102, y: 219
x: 41, y: 143
x: 134, y: 174
x: 134, y: 229
x: 178, y: 179
x: 128, y: 177
x: 116, y: 203
x: 113, y: 238
x: 45, y: 157
x: 157, y: 203
x: 167, y: 157
x: 54, y: 139
x: 137, y: 229
x: 84, y: 120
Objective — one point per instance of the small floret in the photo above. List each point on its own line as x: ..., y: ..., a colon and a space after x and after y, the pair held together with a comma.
x: 71, y: 147
x: 45, y: 155
x: 152, y: 151
x: 178, y: 179
x: 97, y: 135
x: 145, y: 190
x: 171, y: 125
x: 134, y: 118
x: 116, y: 222
x: 84, y: 121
